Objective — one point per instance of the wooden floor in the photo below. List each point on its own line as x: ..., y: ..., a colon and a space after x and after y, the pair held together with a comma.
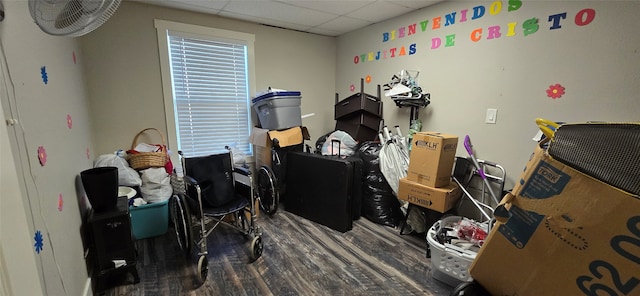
x: 300, y: 258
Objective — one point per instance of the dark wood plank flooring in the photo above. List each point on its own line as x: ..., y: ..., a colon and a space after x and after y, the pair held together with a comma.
x: 300, y: 258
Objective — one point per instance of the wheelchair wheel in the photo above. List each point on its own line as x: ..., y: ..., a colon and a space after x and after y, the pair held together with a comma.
x: 469, y: 289
x: 267, y: 191
x: 203, y: 268
x: 256, y: 248
x: 181, y: 223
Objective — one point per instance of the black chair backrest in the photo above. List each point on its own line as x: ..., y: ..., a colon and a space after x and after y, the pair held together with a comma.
x: 214, y: 174
x: 462, y: 170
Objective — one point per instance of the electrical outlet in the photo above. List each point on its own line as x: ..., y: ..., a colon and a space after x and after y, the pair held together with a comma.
x: 491, y: 117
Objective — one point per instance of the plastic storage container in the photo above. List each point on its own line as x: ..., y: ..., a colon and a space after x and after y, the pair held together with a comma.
x: 149, y: 220
x: 278, y: 109
x: 449, y: 263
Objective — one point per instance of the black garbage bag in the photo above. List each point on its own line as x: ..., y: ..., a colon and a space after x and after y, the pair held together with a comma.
x: 379, y: 204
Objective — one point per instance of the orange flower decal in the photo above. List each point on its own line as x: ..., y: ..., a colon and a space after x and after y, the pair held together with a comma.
x: 368, y: 79
x: 555, y: 91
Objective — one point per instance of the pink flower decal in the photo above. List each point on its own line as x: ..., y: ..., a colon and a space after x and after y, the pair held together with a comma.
x: 60, y: 202
x: 69, y: 121
x: 88, y: 154
x: 352, y: 88
x: 74, y: 56
x: 42, y: 155
x: 555, y: 91
x: 368, y: 79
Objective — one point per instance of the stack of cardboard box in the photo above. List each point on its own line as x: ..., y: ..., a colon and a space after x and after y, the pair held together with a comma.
x: 428, y: 182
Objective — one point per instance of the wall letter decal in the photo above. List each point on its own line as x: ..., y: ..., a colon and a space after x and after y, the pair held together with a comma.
x: 476, y: 35
x: 530, y: 26
x: 585, y: 16
x: 478, y: 12
x: 435, y: 42
x: 556, y: 20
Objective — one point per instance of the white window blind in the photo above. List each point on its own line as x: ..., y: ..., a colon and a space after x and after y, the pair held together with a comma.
x: 210, y: 94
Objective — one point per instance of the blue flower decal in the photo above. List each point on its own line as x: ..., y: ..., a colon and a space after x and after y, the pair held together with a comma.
x: 38, y: 238
x: 43, y: 72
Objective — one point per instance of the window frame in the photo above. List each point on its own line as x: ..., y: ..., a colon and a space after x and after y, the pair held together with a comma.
x: 163, y: 27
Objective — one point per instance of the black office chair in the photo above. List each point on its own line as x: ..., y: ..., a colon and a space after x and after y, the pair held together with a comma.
x: 214, y: 189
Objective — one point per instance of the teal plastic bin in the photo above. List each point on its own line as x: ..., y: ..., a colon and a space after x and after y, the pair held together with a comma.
x: 149, y: 220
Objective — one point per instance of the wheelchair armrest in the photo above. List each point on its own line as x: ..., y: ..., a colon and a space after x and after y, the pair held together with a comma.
x: 242, y: 171
x: 190, y: 180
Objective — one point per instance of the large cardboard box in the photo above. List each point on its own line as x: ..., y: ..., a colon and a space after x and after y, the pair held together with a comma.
x: 262, y: 141
x: 432, y: 157
x: 438, y: 199
x: 563, y: 233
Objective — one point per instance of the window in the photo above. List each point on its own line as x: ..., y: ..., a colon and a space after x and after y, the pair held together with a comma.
x: 206, y: 76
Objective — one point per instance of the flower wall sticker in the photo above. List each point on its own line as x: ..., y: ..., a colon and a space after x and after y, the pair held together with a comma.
x: 39, y: 241
x: 368, y: 79
x: 352, y: 88
x: 42, y: 156
x: 73, y: 54
x: 60, y: 202
x: 69, y: 121
x: 88, y: 154
x: 555, y: 91
x: 43, y: 73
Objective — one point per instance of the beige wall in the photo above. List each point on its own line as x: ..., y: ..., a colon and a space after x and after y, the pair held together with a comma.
x: 597, y: 63
x: 125, y: 85
x: 31, y: 195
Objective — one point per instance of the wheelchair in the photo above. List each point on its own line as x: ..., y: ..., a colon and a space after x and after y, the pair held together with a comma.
x: 214, y: 191
x: 268, y: 182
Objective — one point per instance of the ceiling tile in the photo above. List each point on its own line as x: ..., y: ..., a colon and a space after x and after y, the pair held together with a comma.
x: 279, y: 11
x: 325, y: 17
x: 330, y: 6
x: 344, y: 24
x: 415, y: 4
x: 192, y: 5
x: 265, y: 21
x: 379, y: 11
x: 321, y: 31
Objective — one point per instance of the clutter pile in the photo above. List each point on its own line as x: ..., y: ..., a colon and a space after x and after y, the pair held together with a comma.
x: 144, y: 176
x: 404, y: 90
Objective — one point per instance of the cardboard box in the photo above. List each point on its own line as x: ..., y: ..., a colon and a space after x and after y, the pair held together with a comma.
x: 566, y: 233
x: 438, y: 199
x: 432, y: 157
x: 262, y: 141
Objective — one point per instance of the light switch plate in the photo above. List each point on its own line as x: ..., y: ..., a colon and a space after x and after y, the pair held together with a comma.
x: 492, y: 115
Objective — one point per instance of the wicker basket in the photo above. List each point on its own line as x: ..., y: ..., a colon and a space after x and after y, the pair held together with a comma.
x: 145, y: 160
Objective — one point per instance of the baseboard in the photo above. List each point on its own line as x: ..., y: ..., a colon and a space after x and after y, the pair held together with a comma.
x: 87, y: 288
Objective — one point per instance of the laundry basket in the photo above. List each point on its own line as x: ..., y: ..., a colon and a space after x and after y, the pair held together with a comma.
x: 145, y: 160
x: 449, y: 262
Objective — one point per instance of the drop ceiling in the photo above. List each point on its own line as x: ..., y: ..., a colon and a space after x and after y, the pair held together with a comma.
x: 323, y: 17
